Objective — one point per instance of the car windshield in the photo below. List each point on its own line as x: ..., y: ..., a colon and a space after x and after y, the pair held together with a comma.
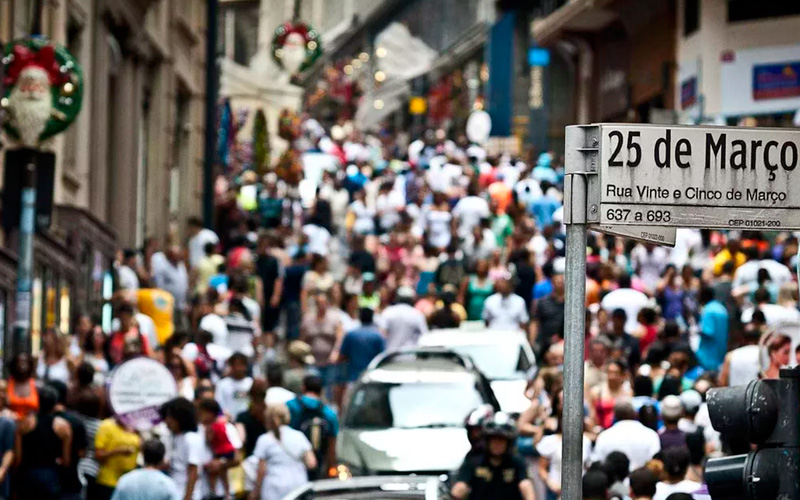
x: 379, y: 405
x: 497, y: 361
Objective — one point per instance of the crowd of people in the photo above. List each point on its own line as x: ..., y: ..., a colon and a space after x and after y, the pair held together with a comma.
x: 267, y: 321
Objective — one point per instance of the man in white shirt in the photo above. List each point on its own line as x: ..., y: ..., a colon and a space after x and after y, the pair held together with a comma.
x: 128, y: 279
x: 233, y: 392
x: 318, y: 239
x: 199, y: 237
x: 276, y: 393
x: 402, y: 323
x: 470, y: 210
x: 505, y: 310
x: 628, y: 435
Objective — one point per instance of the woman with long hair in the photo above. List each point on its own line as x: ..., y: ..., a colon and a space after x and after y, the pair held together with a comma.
x: 476, y: 289
x: 285, y: 456
x: 604, y: 397
x: 52, y: 363
x: 779, y: 349
x: 23, y: 397
x: 549, y: 448
x: 95, y: 352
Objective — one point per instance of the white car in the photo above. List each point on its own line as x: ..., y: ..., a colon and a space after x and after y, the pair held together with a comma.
x: 406, y: 414
x: 504, y: 356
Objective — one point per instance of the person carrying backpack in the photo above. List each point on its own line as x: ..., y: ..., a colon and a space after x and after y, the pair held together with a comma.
x: 311, y: 416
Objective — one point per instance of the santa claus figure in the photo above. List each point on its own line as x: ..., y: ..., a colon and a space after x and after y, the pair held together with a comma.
x: 30, y: 104
x: 294, y: 52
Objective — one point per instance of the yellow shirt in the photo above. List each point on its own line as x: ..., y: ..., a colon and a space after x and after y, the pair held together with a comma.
x: 724, y: 256
x: 111, y: 436
x: 159, y: 305
x: 206, y: 269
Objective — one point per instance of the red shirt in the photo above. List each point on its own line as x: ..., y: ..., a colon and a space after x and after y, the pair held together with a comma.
x: 218, y: 439
x: 116, y: 346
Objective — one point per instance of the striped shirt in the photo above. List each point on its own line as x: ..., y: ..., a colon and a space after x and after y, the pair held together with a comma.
x: 88, y: 466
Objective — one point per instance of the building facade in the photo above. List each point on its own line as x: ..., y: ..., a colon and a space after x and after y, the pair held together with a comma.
x: 132, y: 161
x: 737, y: 60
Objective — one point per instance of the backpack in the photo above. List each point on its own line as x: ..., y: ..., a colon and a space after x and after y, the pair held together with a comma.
x: 316, y: 428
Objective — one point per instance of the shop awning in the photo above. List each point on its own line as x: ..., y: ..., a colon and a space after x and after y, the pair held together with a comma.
x: 381, y: 102
x: 575, y: 15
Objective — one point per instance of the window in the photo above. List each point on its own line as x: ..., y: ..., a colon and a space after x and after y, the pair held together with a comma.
x: 748, y: 10
x: 691, y: 16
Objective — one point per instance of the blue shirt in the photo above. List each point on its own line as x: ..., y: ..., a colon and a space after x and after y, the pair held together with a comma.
x: 360, y: 347
x: 296, y: 406
x: 146, y: 484
x: 543, y: 210
x: 713, y: 335
x: 542, y: 289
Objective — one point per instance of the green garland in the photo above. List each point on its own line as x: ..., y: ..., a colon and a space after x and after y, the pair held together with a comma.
x: 313, y: 42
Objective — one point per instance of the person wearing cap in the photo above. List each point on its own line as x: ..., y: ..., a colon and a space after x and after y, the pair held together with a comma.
x: 401, y: 322
x: 671, y: 413
x: 497, y: 472
x: 300, y: 362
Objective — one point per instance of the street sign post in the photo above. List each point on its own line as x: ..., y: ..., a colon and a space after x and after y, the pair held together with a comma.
x: 647, y: 180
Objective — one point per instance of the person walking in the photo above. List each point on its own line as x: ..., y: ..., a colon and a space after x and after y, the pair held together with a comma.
x: 115, y: 449
x: 285, y: 456
x: 360, y: 346
x: 187, y: 450
x: 317, y: 421
x: 44, y: 445
x: 498, y: 472
x: 402, y: 323
x: 148, y: 483
x: 629, y: 436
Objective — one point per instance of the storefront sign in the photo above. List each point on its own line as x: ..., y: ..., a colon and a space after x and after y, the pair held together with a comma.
x: 689, y: 93
x: 538, y: 56
x: 137, y: 389
x: 710, y: 177
x: 776, y: 81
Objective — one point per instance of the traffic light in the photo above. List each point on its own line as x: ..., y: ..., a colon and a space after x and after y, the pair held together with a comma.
x: 767, y: 414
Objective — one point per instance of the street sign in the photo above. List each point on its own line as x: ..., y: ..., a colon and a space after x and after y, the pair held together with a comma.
x: 708, y: 177
x: 664, y: 236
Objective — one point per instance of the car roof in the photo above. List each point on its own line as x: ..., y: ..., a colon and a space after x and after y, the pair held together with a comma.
x: 364, y: 485
x: 402, y: 373
x: 456, y: 336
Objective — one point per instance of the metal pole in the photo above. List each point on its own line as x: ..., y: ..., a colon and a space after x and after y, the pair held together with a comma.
x: 212, y: 91
x: 574, y: 327
x: 21, y: 341
x: 578, y: 144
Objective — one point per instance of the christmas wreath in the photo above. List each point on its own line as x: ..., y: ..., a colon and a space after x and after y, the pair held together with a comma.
x: 45, y: 69
x: 312, y: 42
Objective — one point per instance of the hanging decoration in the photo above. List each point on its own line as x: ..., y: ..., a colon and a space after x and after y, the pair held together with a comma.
x: 43, y: 90
x: 296, y: 46
x: 225, y: 133
x: 289, y: 125
x: 261, y: 147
